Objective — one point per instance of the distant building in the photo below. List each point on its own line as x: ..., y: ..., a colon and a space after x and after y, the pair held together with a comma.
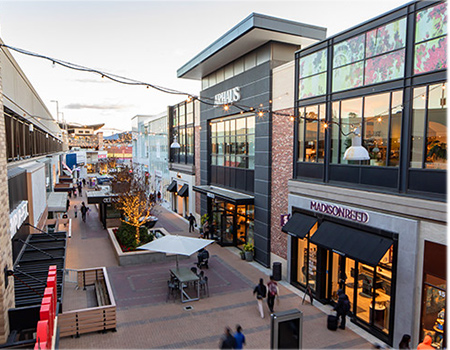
x: 84, y: 136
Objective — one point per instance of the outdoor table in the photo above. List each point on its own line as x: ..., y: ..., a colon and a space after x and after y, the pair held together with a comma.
x: 185, y: 275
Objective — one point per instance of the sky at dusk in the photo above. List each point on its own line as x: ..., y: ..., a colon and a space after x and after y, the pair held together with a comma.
x: 143, y: 40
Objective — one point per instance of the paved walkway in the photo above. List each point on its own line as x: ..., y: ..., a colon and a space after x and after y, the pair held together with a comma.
x: 146, y: 320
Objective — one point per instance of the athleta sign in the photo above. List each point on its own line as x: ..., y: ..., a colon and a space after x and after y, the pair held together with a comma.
x: 227, y: 97
x: 340, y: 212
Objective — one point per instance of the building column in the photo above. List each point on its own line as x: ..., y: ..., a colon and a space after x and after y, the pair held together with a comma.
x: 6, y: 293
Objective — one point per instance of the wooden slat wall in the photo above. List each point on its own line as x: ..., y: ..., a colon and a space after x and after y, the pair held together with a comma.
x: 100, y: 318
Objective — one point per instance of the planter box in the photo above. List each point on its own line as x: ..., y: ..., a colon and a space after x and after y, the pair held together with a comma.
x: 140, y: 256
x: 249, y: 256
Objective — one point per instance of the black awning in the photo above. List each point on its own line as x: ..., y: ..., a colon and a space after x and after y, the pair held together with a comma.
x: 184, y: 191
x: 299, y: 225
x: 360, y: 245
x: 234, y: 197
x: 172, y: 187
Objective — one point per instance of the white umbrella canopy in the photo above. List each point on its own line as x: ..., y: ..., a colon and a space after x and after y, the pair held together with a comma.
x: 180, y: 245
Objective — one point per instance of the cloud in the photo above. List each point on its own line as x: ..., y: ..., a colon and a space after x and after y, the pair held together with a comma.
x: 97, y: 106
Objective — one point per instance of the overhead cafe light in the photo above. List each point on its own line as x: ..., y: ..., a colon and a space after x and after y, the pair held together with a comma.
x: 175, y: 143
x: 356, y: 151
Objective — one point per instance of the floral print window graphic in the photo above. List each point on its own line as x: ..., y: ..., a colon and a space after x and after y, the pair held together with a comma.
x: 313, y: 64
x: 386, y: 38
x: 313, y: 86
x: 348, y: 51
x: 347, y: 77
x: 431, y: 39
x: 385, y: 67
x: 313, y: 77
x: 431, y: 23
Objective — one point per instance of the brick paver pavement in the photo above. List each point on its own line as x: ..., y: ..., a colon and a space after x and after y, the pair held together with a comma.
x: 146, y: 320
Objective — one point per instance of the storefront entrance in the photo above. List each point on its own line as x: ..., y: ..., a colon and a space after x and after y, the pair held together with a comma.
x: 231, y: 224
x: 366, y: 277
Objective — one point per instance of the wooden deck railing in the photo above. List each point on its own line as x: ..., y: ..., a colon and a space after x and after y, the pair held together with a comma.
x: 100, y: 318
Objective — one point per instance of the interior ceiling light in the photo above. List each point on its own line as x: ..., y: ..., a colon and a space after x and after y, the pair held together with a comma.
x: 356, y: 151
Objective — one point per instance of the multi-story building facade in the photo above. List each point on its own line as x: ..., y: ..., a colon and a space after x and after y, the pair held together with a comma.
x: 364, y: 180
x: 235, y: 139
x: 30, y: 159
x: 184, y: 125
x: 84, y: 136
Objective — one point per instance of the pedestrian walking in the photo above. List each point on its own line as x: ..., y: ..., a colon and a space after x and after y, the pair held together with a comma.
x: 158, y: 196
x: 404, y: 343
x: 239, y: 338
x: 83, y: 210
x: 227, y: 341
x: 192, y: 222
x: 206, y: 230
x: 261, y: 292
x: 67, y: 204
x: 74, y: 189
x: 84, y: 182
x: 426, y: 344
x: 79, y: 189
x: 342, y: 307
x: 75, y: 208
x: 272, y: 287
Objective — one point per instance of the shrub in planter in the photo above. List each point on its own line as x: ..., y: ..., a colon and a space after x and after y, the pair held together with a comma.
x: 125, y: 234
x: 249, y: 250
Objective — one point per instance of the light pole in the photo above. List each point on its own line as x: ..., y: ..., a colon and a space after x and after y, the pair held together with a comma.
x: 57, y: 109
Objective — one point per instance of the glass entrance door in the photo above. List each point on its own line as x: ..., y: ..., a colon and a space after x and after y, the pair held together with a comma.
x: 227, y: 229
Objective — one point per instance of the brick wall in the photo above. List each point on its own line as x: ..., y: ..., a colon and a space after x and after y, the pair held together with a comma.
x: 6, y: 295
x: 282, y: 168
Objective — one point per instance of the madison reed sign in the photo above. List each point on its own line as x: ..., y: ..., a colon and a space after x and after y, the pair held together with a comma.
x: 340, y: 212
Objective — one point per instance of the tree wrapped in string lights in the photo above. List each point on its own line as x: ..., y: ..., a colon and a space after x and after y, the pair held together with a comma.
x: 133, y: 201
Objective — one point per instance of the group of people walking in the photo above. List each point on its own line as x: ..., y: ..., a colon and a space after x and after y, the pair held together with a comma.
x: 232, y: 341
x: 261, y: 292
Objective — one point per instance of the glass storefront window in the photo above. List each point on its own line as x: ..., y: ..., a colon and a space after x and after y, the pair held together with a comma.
x: 429, y: 142
x: 376, y: 127
x: 311, y: 133
x: 350, y: 118
x: 396, y: 128
x: 381, y: 127
x: 235, y: 142
x: 313, y: 76
x: 321, y: 141
x: 436, y: 149
x: 335, y: 133
x: 418, y: 123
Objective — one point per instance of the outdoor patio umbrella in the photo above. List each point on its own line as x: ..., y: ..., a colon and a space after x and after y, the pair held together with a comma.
x: 179, y: 245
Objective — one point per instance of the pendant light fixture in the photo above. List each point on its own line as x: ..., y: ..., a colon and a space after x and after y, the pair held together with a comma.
x: 356, y: 151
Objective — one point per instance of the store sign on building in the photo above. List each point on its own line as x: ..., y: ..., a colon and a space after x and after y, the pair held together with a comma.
x: 17, y: 217
x: 340, y: 211
x: 227, y: 97
x: 284, y: 219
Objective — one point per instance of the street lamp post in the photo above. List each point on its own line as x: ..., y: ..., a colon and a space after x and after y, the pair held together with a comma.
x: 57, y: 109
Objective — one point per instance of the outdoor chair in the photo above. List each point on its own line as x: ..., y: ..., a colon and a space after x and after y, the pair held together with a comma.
x: 172, y: 290
x: 204, y: 287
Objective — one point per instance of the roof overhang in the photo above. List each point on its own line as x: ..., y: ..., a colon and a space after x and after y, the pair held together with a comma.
x: 251, y: 33
x: 234, y: 197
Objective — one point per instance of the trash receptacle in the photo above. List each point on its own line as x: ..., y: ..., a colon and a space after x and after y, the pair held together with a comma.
x: 276, y: 271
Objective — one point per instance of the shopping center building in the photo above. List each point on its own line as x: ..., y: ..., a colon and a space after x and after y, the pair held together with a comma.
x: 235, y: 145
x: 367, y: 191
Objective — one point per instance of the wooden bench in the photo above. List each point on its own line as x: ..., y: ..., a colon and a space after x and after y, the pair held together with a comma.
x: 101, y: 293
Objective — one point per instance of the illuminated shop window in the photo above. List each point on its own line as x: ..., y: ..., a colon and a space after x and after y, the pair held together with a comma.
x: 379, y: 120
x: 233, y: 142
x: 429, y: 127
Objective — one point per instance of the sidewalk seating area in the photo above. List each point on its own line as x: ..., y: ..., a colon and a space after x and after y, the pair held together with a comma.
x: 147, y: 319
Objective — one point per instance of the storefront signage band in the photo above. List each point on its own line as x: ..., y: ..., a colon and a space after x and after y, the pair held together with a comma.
x: 340, y: 212
x: 229, y: 96
x: 17, y: 217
